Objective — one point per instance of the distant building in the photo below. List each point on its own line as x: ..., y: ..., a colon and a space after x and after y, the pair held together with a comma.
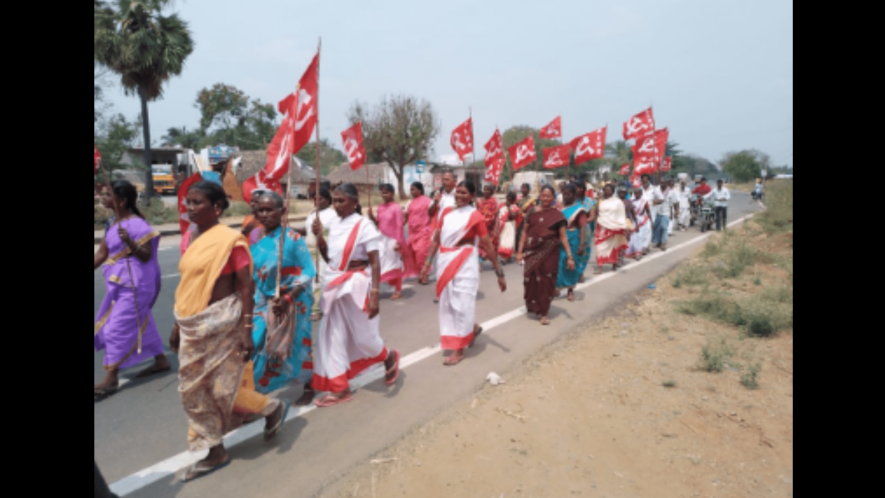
x: 251, y: 162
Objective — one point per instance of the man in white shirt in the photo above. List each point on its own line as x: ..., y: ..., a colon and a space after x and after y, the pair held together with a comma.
x: 660, y: 210
x: 720, y: 196
x: 444, y: 198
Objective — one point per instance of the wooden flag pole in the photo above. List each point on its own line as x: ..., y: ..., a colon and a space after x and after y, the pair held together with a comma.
x: 473, y: 143
x: 369, y: 186
x: 284, y: 228
x: 317, y: 166
x: 128, y: 264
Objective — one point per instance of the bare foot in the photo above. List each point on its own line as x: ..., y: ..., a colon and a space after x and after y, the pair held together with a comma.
x: 161, y: 365
x: 571, y: 296
x: 397, y: 296
x: 545, y: 321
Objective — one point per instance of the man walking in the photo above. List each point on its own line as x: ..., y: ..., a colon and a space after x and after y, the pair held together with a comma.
x: 721, y: 196
x: 662, y: 207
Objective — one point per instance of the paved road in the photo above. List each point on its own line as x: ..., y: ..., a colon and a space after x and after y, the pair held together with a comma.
x: 144, y: 424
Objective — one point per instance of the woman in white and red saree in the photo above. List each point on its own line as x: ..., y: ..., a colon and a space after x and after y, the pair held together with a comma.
x: 461, y: 232
x: 349, y: 340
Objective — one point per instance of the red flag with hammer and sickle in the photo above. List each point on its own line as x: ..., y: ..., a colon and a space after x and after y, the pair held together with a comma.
x: 557, y: 157
x: 354, y: 146
x: 553, y: 130
x: 462, y: 139
x: 640, y: 125
x: 523, y: 153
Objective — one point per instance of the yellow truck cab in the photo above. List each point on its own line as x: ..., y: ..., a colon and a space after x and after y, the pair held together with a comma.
x: 164, y: 181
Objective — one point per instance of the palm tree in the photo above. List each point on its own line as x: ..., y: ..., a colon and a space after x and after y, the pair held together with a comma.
x: 621, y: 152
x: 145, y: 48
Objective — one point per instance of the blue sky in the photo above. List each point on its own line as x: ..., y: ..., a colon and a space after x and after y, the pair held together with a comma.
x: 719, y: 73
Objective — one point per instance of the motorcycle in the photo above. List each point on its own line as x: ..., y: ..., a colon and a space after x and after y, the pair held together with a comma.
x: 759, y: 194
x: 696, y: 213
x: 708, y: 216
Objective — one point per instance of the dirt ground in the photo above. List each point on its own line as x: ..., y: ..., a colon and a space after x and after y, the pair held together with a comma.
x: 620, y: 409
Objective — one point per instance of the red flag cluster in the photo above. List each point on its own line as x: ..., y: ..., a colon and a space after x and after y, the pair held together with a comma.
x: 650, y: 151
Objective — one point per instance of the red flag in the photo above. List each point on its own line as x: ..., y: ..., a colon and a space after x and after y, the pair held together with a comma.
x: 646, y: 150
x: 553, y: 130
x: 640, y: 125
x: 646, y: 167
x: 354, y: 146
x: 301, y: 113
x: 637, y: 181
x: 494, y: 171
x: 557, y: 157
x: 462, y: 139
x: 96, y: 158
x: 183, y: 220
x: 668, y: 165
x: 590, y: 146
x: 661, y: 139
x: 495, y: 158
x: 625, y: 170
x: 260, y: 182
x: 495, y: 148
x: 523, y: 153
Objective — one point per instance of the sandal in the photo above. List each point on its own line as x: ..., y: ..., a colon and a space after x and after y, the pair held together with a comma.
x: 271, y: 434
x: 200, y: 470
x: 395, y: 368
x: 333, y: 400
x: 105, y: 393
x: 476, y: 335
x: 453, y: 360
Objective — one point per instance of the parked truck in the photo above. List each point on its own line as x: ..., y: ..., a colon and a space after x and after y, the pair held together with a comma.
x: 164, y: 180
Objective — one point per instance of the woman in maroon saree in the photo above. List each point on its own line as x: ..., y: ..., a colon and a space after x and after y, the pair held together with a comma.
x: 544, y: 235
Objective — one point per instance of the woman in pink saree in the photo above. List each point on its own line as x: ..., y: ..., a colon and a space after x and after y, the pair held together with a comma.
x: 420, y: 232
x: 390, y: 222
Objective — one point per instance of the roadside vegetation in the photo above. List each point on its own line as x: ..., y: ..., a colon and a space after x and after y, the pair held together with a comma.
x: 744, y: 279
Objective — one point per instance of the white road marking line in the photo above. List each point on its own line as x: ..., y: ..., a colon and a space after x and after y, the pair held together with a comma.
x: 170, y: 467
x: 172, y: 276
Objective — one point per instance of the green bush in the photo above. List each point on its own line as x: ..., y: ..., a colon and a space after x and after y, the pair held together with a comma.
x: 693, y: 275
x: 778, y: 218
x: 159, y: 214
x: 738, y: 258
x: 763, y: 315
x: 750, y: 379
x: 715, y: 355
x: 239, y: 209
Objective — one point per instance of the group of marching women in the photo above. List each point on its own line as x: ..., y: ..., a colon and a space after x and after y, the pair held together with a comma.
x: 246, y: 303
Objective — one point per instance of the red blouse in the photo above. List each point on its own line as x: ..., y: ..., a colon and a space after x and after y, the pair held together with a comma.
x: 238, y: 260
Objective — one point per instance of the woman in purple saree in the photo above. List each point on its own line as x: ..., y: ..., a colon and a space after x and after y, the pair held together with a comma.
x: 127, y: 339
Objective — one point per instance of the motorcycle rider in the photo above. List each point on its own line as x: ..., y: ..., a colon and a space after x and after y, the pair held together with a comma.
x: 721, y: 196
x: 759, y: 191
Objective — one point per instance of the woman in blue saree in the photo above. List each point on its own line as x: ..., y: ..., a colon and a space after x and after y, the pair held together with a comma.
x: 576, y: 215
x: 282, y: 326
